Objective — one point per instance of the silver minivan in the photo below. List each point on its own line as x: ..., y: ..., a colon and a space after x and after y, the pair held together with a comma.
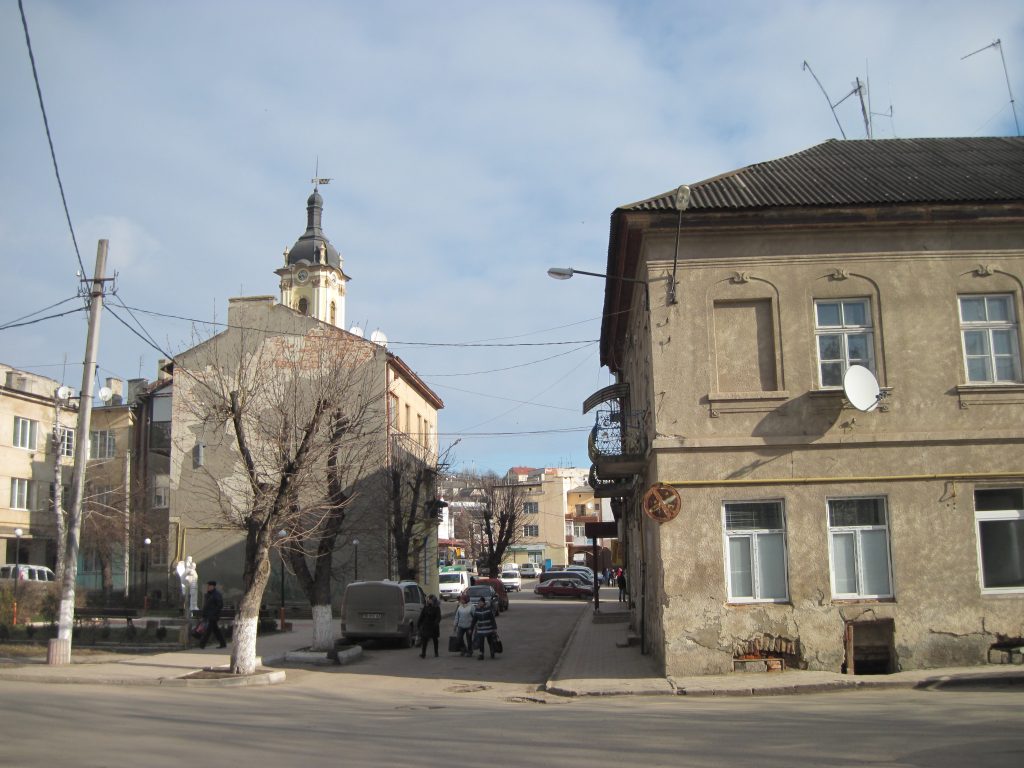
x: 382, y: 610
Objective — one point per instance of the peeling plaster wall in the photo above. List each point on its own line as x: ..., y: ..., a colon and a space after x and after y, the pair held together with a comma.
x: 799, y: 444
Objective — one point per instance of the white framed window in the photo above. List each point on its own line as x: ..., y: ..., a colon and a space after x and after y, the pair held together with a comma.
x: 999, y: 515
x: 531, y: 507
x: 988, y: 328
x: 842, y: 329
x: 21, y: 493
x: 755, y: 538
x: 531, y: 531
x: 161, y: 496
x: 26, y: 433
x: 859, y: 548
x: 579, y: 530
x: 102, y: 444
x: 66, y: 436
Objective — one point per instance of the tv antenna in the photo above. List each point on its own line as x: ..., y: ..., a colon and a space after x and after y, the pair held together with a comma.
x: 998, y: 44
x: 858, y: 88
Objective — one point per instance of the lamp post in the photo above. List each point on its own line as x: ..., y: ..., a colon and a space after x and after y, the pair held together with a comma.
x: 355, y: 546
x: 17, y: 574
x: 280, y: 556
x: 145, y: 572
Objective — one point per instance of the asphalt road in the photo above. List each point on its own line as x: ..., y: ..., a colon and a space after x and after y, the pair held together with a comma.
x: 394, y: 709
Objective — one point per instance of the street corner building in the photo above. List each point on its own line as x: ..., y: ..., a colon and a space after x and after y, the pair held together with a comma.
x: 813, y: 445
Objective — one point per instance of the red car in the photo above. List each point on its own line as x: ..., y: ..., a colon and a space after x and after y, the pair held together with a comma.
x: 564, y: 588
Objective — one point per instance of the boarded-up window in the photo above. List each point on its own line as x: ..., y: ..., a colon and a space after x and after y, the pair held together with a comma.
x: 745, y: 346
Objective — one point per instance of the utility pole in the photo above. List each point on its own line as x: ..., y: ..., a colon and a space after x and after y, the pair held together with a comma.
x: 59, y: 650
x: 58, y: 489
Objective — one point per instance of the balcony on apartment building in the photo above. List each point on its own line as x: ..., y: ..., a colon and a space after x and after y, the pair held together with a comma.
x: 617, y: 443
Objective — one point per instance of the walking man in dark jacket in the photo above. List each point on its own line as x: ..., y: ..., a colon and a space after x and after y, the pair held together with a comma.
x: 485, y: 625
x: 429, y: 625
x: 213, y: 604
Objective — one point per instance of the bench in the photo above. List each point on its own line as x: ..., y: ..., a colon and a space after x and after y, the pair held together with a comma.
x: 104, y: 615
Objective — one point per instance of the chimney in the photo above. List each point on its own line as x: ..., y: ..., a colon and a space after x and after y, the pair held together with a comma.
x: 135, y: 388
x: 161, y: 373
x: 116, y: 386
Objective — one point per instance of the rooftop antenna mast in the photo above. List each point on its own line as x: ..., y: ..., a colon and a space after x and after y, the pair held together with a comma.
x: 997, y: 43
x: 858, y: 88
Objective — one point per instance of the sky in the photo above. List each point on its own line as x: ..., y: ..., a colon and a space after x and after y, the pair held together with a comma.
x: 471, y: 146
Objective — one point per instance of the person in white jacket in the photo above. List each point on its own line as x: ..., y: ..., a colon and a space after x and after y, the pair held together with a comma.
x: 464, y: 626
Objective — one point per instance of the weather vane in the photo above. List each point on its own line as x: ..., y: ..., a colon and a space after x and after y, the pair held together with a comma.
x: 317, y: 180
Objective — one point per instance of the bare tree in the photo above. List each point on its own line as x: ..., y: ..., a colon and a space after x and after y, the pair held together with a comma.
x: 410, y: 491
x: 310, y: 552
x: 279, y: 405
x: 502, y: 521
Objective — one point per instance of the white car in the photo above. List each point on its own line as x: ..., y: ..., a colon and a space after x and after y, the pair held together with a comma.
x: 511, y: 580
x: 529, y: 570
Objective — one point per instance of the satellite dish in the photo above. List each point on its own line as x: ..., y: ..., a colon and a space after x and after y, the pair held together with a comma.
x: 355, y: 330
x: 105, y: 394
x: 378, y: 337
x: 64, y: 393
x: 861, y: 388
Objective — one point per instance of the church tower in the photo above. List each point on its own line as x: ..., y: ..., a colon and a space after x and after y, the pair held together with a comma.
x: 312, y: 280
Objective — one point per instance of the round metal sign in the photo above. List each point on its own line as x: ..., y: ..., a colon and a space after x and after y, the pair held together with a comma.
x: 662, y: 502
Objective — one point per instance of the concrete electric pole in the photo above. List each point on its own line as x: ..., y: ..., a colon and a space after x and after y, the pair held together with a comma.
x: 59, y: 651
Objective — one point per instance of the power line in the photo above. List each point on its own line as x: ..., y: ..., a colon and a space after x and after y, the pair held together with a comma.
x: 507, y: 399
x: 49, y: 138
x: 506, y: 368
x: 30, y: 314
x: 41, y: 319
x: 390, y: 341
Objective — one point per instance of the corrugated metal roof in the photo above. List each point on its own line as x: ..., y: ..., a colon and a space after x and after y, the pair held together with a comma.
x: 866, y: 172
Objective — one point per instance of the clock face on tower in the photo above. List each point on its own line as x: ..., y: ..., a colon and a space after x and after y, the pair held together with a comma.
x: 302, y: 275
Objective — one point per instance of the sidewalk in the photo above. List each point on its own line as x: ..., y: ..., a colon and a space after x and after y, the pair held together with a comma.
x: 596, y: 661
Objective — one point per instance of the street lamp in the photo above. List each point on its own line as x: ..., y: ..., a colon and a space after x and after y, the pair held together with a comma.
x: 355, y: 546
x: 17, y: 574
x: 564, y: 273
x: 145, y: 572
x: 280, y: 553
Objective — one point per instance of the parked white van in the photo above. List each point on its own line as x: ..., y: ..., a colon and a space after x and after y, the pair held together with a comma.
x: 382, y: 610
x: 529, y: 570
x: 451, y: 583
x: 28, y: 572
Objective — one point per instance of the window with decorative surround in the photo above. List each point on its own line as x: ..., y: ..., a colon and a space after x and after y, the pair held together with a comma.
x: 988, y: 328
x: 844, y: 336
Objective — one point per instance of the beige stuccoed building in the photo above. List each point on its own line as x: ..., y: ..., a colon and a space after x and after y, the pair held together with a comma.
x: 795, y: 528
x: 290, y: 348
x: 38, y: 432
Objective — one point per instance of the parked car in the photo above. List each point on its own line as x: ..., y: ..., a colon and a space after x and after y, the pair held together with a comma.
x: 511, y: 580
x: 499, y: 589
x: 28, y: 572
x: 586, y: 571
x: 548, y: 575
x: 529, y: 570
x: 564, y: 588
x: 487, y: 592
x: 452, y: 583
x: 382, y: 610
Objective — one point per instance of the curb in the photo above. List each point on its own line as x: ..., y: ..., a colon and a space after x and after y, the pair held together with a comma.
x: 266, y: 677
x: 550, y: 686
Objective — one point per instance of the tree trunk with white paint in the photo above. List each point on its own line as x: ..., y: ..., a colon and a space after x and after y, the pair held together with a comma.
x: 324, y: 633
